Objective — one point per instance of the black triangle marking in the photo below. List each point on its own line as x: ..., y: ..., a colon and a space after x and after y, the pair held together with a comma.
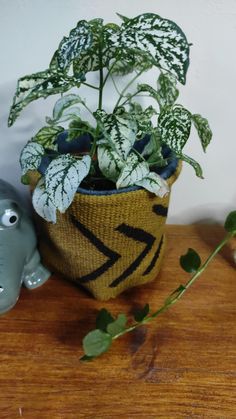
x: 139, y: 235
x: 106, y: 251
x: 155, y: 257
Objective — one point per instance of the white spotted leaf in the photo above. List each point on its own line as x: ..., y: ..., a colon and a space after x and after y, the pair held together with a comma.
x: 203, y: 129
x: 91, y: 59
x: 167, y: 91
x: 43, y: 203
x: 63, y: 177
x: 71, y: 47
x: 31, y: 156
x: 38, y: 85
x: 174, y: 126
x: 109, y: 161
x: 119, y: 130
x: 63, y: 103
x: 161, y: 39
x: 133, y: 172
x: 155, y: 184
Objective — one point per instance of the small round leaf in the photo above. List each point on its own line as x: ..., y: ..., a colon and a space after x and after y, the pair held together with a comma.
x: 96, y: 343
x: 191, y: 261
x: 230, y: 222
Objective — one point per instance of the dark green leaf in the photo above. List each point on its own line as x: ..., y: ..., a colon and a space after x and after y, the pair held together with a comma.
x: 230, y: 222
x: 104, y: 318
x: 191, y: 261
x: 203, y: 129
x: 96, y: 343
x: 140, y: 314
x: 118, y: 325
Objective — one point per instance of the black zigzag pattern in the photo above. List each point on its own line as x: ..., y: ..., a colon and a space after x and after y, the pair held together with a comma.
x: 139, y: 235
x: 154, y: 259
x: 106, y: 251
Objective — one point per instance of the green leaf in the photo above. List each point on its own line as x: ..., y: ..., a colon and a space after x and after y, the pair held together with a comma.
x: 72, y: 47
x: 175, y: 125
x: 230, y: 222
x: 96, y: 343
x: 117, y: 326
x: 63, y: 103
x: 127, y: 61
x: 162, y: 39
x: 43, y: 203
x: 175, y: 295
x: 38, y: 85
x: 132, y: 172
x: 63, y: 177
x: 78, y: 127
x: 191, y: 261
x: 153, y: 150
x: 167, y: 92
x: 47, y: 135
x: 148, y: 89
x: 155, y: 184
x: 31, y: 157
x: 109, y: 161
x: 203, y: 129
x: 140, y: 314
x: 119, y: 129
x: 104, y: 318
x: 142, y: 118
x: 93, y: 58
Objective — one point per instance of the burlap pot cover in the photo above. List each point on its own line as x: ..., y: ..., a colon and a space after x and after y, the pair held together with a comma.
x: 107, y: 241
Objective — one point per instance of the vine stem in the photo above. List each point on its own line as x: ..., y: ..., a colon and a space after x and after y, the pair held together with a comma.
x: 126, y: 87
x: 170, y: 300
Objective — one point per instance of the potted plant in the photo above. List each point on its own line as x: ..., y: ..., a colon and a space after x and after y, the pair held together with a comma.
x: 101, y: 189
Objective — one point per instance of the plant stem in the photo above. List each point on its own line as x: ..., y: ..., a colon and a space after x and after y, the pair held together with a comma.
x: 109, y: 72
x: 172, y: 301
x: 101, y: 85
x: 91, y: 85
x: 126, y: 87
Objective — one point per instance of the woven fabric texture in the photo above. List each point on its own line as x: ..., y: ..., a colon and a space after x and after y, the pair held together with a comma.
x: 107, y: 243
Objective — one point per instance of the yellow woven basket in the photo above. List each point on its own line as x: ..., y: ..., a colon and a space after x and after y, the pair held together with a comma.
x: 107, y: 243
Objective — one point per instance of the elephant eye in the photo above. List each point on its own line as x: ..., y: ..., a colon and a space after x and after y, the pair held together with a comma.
x: 9, y: 218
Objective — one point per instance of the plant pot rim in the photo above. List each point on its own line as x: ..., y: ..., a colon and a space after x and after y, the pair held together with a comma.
x: 169, y: 173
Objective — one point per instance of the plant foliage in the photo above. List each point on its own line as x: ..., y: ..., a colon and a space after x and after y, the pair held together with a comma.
x: 70, y: 150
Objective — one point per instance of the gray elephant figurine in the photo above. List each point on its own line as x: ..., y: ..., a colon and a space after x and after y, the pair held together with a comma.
x: 19, y: 257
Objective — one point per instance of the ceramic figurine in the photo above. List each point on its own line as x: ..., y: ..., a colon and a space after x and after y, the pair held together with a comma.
x: 19, y: 257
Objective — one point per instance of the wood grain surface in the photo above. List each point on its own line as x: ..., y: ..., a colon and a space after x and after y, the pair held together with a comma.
x: 181, y: 366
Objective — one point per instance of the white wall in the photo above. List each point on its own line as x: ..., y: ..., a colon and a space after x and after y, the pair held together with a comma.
x: 30, y: 31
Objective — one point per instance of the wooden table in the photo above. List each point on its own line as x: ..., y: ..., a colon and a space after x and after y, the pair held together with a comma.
x: 181, y: 366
